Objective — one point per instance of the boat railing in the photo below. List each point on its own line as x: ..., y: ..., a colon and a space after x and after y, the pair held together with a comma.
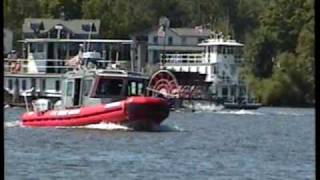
x: 183, y: 58
x: 47, y: 66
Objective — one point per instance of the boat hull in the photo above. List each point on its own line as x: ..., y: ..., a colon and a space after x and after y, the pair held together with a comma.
x: 133, y: 112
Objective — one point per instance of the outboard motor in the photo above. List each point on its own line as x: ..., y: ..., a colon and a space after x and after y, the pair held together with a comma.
x: 41, y: 105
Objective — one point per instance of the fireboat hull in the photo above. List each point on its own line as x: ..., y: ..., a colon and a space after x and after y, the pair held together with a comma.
x: 135, y: 112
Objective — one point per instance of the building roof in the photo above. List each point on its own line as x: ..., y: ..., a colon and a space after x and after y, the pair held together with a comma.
x: 192, y: 32
x: 77, y: 26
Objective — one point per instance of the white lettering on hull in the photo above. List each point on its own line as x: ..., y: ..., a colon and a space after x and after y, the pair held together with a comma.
x: 113, y: 105
x: 65, y: 112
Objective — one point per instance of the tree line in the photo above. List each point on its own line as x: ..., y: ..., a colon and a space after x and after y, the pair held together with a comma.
x: 278, y: 34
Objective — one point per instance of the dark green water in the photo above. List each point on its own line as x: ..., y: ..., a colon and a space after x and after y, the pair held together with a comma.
x: 270, y: 143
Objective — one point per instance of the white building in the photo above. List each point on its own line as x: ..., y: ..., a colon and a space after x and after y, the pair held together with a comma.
x: 150, y: 44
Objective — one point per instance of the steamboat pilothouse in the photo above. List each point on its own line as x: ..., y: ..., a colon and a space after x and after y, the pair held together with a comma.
x: 212, y: 75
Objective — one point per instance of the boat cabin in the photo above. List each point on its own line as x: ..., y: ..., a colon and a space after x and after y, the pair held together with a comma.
x: 100, y: 86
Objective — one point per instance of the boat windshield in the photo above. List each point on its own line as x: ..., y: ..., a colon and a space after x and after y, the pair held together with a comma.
x: 109, y: 87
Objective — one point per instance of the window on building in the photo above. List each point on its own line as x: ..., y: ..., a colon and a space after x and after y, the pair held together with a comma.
x: 170, y: 40
x: 87, y: 86
x: 200, y: 40
x: 184, y: 40
x: 57, y: 85
x: 155, y: 39
x: 225, y: 91
x: 10, y: 84
x: 24, y: 84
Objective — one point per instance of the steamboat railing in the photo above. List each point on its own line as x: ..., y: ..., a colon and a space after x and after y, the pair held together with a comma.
x: 185, y: 58
x: 47, y: 66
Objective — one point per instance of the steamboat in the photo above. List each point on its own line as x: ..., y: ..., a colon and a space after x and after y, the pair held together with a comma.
x: 211, y: 77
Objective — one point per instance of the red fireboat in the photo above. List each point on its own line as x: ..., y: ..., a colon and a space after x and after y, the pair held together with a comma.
x: 92, y: 96
x: 135, y: 112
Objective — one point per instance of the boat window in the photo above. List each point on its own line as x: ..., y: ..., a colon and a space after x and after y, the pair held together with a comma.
x: 86, y: 86
x: 43, y: 84
x: 69, y: 88
x: 32, y: 48
x: 224, y: 50
x: 230, y: 50
x: 219, y: 49
x: 39, y: 47
x: 140, y: 88
x: 10, y: 84
x: 57, y: 85
x: 109, y: 87
x: 135, y: 88
x: 24, y: 84
x: 214, y: 70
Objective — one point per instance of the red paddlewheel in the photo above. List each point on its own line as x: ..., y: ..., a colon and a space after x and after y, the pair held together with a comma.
x: 165, y: 83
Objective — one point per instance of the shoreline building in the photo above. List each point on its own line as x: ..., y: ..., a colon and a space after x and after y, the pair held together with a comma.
x: 153, y: 42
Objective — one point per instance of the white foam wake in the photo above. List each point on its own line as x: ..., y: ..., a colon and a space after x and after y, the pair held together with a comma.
x: 204, y: 107
x: 240, y: 112
x: 100, y: 126
x: 12, y: 124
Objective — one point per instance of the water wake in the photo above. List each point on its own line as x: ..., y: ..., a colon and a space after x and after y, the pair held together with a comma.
x: 170, y: 128
x: 100, y: 126
x: 12, y: 124
x: 281, y: 113
x: 240, y: 112
x: 207, y: 107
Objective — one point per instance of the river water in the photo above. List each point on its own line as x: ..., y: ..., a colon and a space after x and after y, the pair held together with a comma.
x: 269, y: 143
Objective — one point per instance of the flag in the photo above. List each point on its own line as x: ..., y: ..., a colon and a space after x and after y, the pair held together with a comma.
x: 161, y: 32
x: 74, y: 61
